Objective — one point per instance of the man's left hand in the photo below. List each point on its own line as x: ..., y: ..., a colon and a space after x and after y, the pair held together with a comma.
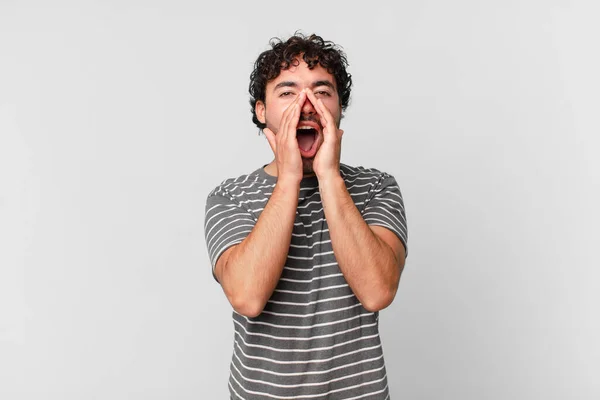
x: 326, y: 163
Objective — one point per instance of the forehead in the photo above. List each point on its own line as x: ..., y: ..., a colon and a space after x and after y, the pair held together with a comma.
x: 302, y: 75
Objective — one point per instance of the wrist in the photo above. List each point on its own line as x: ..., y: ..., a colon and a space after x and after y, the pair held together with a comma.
x: 288, y: 184
x: 329, y: 178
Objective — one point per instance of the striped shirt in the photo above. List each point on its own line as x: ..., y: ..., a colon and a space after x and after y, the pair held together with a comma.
x: 313, y: 340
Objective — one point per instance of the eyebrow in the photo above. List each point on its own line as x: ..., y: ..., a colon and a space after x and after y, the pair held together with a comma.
x: 314, y: 84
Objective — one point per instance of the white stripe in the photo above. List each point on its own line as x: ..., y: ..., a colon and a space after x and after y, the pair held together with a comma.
x: 387, y: 201
x: 245, y: 193
x: 312, y: 268
x: 373, y: 220
x: 311, y: 257
x: 393, y: 221
x: 396, y: 217
x: 311, y: 395
x: 358, y: 194
x: 302, y: 339
x: 311, y: 213
x: 309, y: 203
x: 299, y: 246
x: 310, y: 280
x: 374, y: 178
x: 365, y: 171
x: 253, y: 201
x: 306, y: 372
x: 217, y: 205
x: 314, y: 361
x: 357, y: 186
x: 216, y: 239
x: 313, y: 314
x: 312, y: 223
x: 311, y: 235
x: 264, y: 185
x: 259, y: 346
x: 378, y: 222
x: 222, y: 249
x: 234, y: 391
x: 302, y: 327
x: 225, y: 218
x: 291, y: 303
x: 222, y: 239
x: 213, y: 237
x: 231, y: 206
x: 311, y: 291
x: 236, y: 180
x: 372, y: 393
x: 307, y: 384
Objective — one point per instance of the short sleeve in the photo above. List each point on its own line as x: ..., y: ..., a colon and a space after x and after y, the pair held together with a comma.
x: 385, y: 207
x: 226, y: 224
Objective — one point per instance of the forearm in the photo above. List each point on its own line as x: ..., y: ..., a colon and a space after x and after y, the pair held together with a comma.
x: 255, y: 265
x: 368, y: 263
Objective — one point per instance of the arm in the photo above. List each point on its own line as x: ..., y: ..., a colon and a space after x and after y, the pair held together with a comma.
x: 371, y: 258
x: 249, y: 271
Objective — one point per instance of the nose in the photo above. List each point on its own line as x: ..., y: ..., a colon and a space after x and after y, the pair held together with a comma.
x: 308, y: 108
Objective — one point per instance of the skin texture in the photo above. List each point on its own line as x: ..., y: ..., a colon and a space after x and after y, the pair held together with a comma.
x: 371, y: 258
x: 279, y: 98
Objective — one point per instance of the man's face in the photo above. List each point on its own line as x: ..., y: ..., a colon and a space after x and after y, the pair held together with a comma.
x: 281, y: 91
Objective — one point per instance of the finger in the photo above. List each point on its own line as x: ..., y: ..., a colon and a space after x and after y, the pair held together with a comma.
x: 290, y: 108
x: 285, y: 122
x: 292, y: 125
x: 271, y: 139
x: 315, y: 102
x: 288, y: 114
x: 294, y: 117
x: 327, y: 120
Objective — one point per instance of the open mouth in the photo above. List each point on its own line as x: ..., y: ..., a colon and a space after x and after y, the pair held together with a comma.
x: 307, y: 137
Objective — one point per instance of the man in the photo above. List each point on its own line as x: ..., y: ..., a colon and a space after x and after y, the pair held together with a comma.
x: 306, y: 249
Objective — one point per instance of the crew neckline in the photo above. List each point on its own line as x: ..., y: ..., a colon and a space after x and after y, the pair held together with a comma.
x: 273, y: 179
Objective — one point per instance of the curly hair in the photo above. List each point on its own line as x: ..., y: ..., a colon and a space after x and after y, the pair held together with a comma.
x: 315, y: 51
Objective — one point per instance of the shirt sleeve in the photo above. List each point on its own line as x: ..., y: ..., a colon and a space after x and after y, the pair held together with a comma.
x: 385, y: 207
x: 226, y: 224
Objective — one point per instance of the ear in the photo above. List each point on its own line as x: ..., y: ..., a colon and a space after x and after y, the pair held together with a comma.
x: 259, y: 108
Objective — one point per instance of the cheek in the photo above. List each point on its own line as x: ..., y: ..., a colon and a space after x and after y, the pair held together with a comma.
x: 334, y: 107
x: 274, y: 113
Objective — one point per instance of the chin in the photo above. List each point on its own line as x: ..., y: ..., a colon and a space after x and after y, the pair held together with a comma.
x: 307, y: 166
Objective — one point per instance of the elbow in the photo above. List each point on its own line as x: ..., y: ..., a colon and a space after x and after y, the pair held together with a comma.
x: 246, y: 307
x: 380, y: 298
x: 377, y: 304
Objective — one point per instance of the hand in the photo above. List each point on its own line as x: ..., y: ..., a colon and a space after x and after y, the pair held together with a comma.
x: 327, y: 160
x: 285, y: 145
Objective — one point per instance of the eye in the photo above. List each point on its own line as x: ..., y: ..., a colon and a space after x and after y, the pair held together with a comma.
x: 284, y: 94
x: 323, y: 93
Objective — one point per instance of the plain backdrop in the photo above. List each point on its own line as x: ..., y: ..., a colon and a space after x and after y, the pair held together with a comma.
x: 118, y: 117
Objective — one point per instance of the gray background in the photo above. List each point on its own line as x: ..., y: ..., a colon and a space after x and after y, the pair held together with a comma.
x: 116, y: 119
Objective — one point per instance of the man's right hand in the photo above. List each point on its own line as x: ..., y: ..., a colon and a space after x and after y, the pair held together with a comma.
x: 285, y: 145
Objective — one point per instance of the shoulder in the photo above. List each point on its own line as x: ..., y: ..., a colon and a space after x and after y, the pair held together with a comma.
x: 239, y: 184
x: 351, y: 173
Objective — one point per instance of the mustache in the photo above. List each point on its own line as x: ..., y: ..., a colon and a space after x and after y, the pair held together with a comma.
x: 310, y: 118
